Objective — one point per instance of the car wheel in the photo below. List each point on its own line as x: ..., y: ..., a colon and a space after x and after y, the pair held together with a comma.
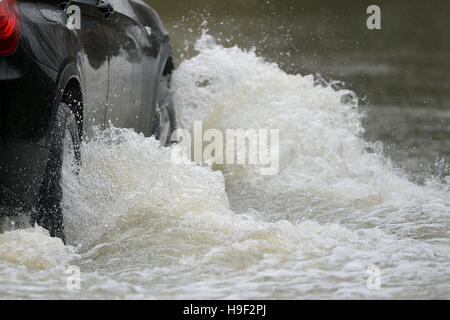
x: 164, y: 121
x: 64, y: 154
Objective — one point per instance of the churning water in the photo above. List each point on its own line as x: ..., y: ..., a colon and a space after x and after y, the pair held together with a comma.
x: 141, y: 225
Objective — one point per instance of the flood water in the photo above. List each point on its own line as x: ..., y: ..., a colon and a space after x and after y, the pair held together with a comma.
x: 362, y: 186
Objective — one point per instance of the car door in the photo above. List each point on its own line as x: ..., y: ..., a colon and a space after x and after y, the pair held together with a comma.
x: 93, y: 62
x: 125, y: 95
x: 151, y: 41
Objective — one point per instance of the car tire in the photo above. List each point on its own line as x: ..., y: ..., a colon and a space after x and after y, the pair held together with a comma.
x: 164, y: 123
x: 65, y: 139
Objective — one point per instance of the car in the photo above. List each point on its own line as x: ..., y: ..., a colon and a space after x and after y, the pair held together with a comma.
x: 65, y: 68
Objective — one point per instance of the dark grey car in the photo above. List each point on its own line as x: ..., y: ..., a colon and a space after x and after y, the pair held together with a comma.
x: 65, y: 67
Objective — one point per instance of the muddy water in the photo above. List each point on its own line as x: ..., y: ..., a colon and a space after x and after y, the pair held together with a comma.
x: 362, y: 190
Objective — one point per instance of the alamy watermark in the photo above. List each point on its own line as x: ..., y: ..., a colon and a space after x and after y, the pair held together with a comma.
x: 374, y: 279
x: 374, y: 20
x: 74, y: 19
x: 73, y: 281
x: 257, y: 147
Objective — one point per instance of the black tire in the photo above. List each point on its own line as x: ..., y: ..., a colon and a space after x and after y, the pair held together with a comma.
x: 48, y: 212
x: 164, y: 122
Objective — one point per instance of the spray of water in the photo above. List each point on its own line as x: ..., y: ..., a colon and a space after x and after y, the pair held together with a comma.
x: 141, y: 225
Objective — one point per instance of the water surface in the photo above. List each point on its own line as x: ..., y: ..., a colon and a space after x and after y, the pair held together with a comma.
x: 360, y: 184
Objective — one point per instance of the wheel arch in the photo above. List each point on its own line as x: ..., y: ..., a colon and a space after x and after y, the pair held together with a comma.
x: 69, y: 90
x: 165, y: 66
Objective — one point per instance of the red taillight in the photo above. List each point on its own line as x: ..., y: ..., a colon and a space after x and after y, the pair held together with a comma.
x: 9, y: 26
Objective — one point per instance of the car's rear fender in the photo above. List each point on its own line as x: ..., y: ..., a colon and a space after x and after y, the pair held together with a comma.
x: 32, y: 83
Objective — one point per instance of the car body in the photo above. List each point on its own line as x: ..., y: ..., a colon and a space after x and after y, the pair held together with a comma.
x: 107, y: 69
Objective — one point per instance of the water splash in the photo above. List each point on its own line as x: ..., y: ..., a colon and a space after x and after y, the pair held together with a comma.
x: 146, y: 226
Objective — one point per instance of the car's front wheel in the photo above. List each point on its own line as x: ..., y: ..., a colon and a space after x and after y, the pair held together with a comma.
x: 64, y: 154
x: 164, y: 121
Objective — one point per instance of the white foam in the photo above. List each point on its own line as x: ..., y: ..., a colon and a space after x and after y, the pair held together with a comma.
x: 146, y: 226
